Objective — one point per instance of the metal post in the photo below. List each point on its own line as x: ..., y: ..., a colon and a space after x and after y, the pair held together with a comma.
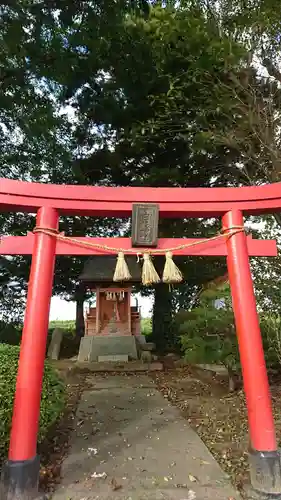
x: 264, y: 456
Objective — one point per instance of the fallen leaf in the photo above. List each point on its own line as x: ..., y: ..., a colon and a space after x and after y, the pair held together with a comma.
x: 114, y: 485
x: 99, y: 475
x: 192, y: 478
x: 191, y: 495
x: 93, y: 450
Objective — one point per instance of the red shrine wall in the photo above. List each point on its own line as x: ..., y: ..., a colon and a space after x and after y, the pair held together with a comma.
x: 100, y: 320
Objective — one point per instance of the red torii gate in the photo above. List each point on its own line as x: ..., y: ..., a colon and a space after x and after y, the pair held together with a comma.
x: 49, y: 202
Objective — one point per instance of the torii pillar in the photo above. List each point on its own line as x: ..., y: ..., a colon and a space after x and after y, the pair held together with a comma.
x: 21, y: 472
x: 264, y: 456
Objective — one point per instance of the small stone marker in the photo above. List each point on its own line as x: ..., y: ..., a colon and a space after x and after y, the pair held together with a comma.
x: 146, y: 357
x: 54, y: 347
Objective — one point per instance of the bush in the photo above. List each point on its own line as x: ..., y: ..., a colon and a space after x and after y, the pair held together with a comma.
x: 271, y: 334
x: 52, y: 401
x: 146, y: 326
x: 208, y: 334
x: 209, y: 339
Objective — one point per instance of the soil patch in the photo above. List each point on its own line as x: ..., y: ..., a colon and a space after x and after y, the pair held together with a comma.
x: 219, y: 417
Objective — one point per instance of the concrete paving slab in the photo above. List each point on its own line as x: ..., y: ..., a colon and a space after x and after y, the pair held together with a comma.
x: 129, y: 443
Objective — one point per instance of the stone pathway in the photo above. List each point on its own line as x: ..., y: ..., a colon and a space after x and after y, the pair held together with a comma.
x: 129, y: 443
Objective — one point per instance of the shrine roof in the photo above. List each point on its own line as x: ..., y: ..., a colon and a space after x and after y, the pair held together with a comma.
x: 100, y: 269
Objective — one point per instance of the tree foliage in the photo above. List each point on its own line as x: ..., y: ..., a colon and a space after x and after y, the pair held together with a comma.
x: 208, y: 333
x: 139, y: 94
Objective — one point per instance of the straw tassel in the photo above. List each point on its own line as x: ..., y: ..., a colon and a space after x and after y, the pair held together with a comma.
x: 171, y: 273
x: 121, y: 272
x: 149, y: 273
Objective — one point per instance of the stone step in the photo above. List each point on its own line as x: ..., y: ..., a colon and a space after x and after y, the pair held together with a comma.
x: 127, y: 367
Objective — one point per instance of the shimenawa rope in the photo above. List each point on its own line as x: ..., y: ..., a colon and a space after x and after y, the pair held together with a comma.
x: 171, y: 273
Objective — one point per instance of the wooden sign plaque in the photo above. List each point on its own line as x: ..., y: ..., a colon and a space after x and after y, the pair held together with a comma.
x: 145, y: 220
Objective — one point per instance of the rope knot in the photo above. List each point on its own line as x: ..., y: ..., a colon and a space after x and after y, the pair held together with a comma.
x: 232, y: 230
x: 46, y: 230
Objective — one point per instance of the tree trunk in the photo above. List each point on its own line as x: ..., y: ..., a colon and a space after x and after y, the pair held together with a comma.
x: 162, y: 319
x: 233, y: 380
x: 80, y: 323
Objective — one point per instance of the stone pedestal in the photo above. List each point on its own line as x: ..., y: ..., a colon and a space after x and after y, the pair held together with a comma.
x: 91, y: 347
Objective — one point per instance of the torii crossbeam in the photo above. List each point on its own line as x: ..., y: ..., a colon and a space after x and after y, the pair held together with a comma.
x: 49, y: 202
x: 23, y: 245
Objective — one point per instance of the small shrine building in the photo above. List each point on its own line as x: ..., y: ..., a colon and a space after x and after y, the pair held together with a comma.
x: 113, y: 326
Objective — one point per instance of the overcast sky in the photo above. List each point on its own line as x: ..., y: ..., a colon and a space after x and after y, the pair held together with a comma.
x: 63, y: 310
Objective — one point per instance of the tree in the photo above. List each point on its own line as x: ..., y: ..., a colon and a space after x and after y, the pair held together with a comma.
x: 132, y: 110
x: 145, y: 88
x: 11, y: 290
x: 254, y: 22
x: 33, y: 133
x: 250, y: 96
x: 266, y: 271
x: 251, y: 125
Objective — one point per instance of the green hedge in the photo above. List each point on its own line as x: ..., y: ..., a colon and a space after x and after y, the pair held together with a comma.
x: 52, y: 402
